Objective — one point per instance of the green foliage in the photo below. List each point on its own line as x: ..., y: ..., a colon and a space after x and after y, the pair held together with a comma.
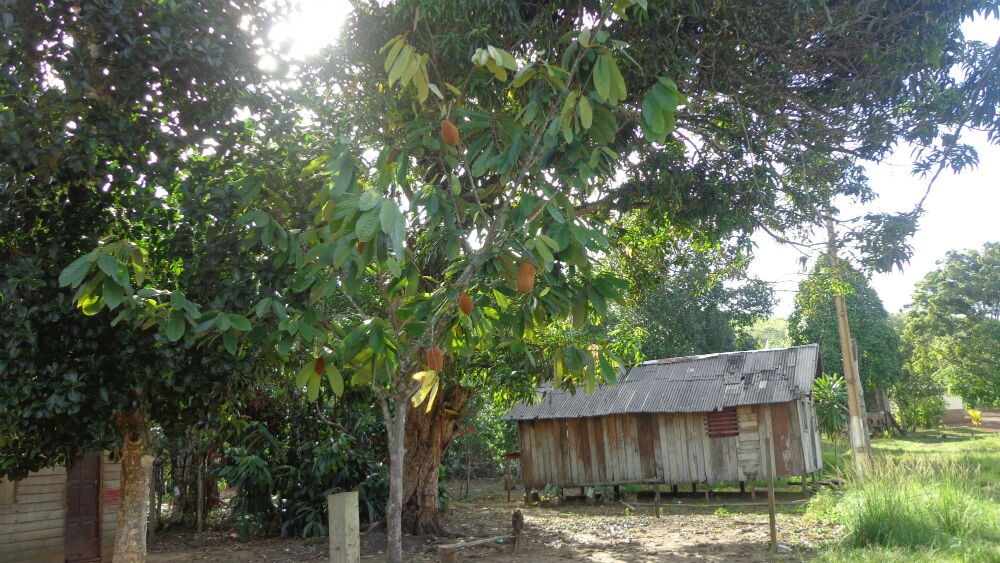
x: 814, y: 319
x: 480, y: 451
x: 771, y: 332
x: 283, y: 464
x: 953, y: 328
x: 830, y: 397
x: 97, y: 130
x: 931, y: 494
x: 684, y: 298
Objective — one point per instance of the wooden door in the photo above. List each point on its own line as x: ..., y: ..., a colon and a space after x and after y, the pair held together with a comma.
x: 83, y: 510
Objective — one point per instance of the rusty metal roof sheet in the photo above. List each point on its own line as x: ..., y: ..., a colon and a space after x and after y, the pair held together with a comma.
x: 691, y: 384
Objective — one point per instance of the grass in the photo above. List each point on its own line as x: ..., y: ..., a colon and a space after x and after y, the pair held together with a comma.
x: 932, y: 496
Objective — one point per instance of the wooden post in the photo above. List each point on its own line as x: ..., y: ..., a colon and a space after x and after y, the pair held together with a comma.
x: 673, y: 489
x: 345, y: 534
x: 708, y: 488
x: 517, y: 528
x: 805, y: 487
x: 200, y: 503
x: 769, y: 459
x: 856, y: 424
x: 656, y: 500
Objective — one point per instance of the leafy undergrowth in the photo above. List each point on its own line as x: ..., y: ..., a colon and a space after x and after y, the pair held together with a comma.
x: 932, y: 497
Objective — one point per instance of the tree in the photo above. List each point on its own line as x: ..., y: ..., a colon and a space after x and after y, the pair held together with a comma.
x: 684, y: 298
x: 450, y: 177
x: 953, y: 326
x: 106, y: 111
x: 771, y: 332
x: 814, y: 319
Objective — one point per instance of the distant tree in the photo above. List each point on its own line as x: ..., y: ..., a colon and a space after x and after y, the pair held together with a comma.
x: 814, y: 320
x: 771, y: 332
x: 953, y: 327
x: 685, y: 297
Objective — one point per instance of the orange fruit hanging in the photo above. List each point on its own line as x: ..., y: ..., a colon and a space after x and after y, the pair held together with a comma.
x: 449, y: 133
x: 526, y: 277
x: 465, y: 303
x: 435, y: 358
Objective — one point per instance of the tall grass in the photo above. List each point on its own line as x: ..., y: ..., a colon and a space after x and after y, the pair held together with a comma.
x: 918, y: 502
x: 929, y: 507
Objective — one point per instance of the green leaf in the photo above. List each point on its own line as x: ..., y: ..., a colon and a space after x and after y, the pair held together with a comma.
x: 175, y: 326
x: 368, y: 200
x: 263, y: 306
x: 335, y: 378
x: 229, y: 342
x: 312, y: 387
x: 652, y: 117
x: 73, y: 274
x: 586, y: 114
x: 602, y: 78
x: 239, y: 322
x: 399, y: 65
x: 92, y: 304
x: 367, y: 225
x: 307, y: 371
x: 113, y: 295
x: 394, y: 225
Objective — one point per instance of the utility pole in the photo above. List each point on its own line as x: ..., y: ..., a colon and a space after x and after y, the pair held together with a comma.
x: 860, y: 449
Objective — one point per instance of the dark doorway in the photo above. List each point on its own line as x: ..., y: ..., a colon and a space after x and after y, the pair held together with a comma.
x: 83, y: 510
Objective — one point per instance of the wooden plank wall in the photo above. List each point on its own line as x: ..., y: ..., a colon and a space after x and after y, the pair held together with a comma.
x: 32, y: 528
x: 748, y: 450
x: 663, y: 448
x: 111, y: 472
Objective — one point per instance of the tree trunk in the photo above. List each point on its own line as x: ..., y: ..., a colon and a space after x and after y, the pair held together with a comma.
x: 137, y: 465
x: 426, y: 439
x: 395, y: 425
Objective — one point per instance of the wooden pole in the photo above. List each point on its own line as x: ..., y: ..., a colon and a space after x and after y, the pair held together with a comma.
x: 200, y: 503
x: 656, y: 500
x: 769, y: 460
x: 860, y: 449
x: 345, y: 532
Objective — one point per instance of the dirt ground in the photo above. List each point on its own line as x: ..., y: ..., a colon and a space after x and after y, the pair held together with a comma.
x: 730, y: 527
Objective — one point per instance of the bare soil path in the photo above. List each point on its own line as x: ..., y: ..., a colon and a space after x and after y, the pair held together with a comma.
x: 731, y: 527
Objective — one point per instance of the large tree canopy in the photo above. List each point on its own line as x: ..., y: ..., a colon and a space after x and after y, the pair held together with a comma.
x: 814, y: 319
x: 714, y: 120
x: 953, y: 327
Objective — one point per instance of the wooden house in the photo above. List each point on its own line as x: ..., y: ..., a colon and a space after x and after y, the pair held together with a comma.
x: 57, y: 516
x: 699, y: 419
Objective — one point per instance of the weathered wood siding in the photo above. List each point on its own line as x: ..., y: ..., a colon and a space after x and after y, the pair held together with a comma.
x: 665, y: 448
x: 32, y: 527
x: 111, y: 487
x: 33, y: 522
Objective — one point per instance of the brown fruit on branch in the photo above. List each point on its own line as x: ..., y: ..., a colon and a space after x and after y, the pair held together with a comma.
x: 526, y: 277
x: 465, y: 303
x: 449, y: 133
x: 435, y: 358
x: 320, y: 367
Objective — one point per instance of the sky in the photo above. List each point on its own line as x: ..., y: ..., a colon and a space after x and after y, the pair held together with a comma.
x: 961, y: 210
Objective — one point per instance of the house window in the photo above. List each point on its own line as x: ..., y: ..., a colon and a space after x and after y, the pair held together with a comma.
x: 7, y: 491
x: 723, y: 424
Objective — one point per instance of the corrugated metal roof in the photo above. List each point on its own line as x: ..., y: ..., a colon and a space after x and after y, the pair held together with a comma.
x: 691, y: 384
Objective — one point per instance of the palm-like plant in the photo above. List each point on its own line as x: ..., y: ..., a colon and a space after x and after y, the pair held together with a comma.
x: 830, y: 397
